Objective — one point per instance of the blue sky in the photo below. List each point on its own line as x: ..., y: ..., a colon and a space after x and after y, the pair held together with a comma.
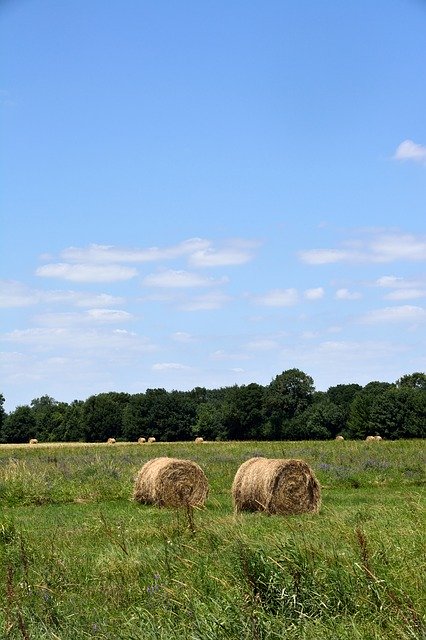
x: 207, y: 194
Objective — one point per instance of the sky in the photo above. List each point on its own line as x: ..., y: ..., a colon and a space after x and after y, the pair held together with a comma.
x: 210, y: 193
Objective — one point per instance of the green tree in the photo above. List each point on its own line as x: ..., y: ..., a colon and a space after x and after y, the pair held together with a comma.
x: 342, y: 396
x: 210, y: 422
x: 243, y: 413
x: 359, y: 422
x: 399, y: 413
x: 73, y: 425
x: 102, y: 416
x: 415, y: 380
x: 3, y: 416
x: 321, y: 421
x: 20, y: 425
x: 49, y: 415
x: 287, y: 397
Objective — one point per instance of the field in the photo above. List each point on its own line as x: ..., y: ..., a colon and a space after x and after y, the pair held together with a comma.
x: 80, y: 559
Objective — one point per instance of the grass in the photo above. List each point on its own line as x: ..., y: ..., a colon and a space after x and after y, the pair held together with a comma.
x: 80, y: 560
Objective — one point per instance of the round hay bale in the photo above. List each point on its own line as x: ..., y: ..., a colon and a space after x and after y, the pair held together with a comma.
x: 276, y: 486
x: 111, y: 441
x: 33, y: 441
x: 198, y: 440
x: 370, y: 438
x: 339, y: 438
x: 151, y: 439
x: 171, y: 482
x: 377, y: 437
x: 141, y: 440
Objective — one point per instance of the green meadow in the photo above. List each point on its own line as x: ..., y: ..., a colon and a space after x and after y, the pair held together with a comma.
x: 80, y: 559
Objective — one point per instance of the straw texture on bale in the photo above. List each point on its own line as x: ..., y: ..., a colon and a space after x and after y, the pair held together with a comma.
x: 141, y: 440
x: 171, y: 482
x: 339, y: 438
x: 111, y: 441
x: 33, y: 441
x: 370, y: 438
x: 199, y: 440
x: 276, y: 486
x: 377, y: 437
x: 151, y: 439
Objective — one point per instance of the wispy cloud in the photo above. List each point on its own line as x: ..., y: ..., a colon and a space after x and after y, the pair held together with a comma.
x: 235, y: 253
x: 68, y: 339
x: 169, y: 366
x: 91, y: 316
x: 345, y: 294
x: 403, y: 313
x: 86, y: 272
x: 379, y: 247
x: 183, y: 337
x: 200, y: 252
x: 402, y: 288
x: 278, y: 298
x: 16, y: 294
x: 206, y: 302
x: 314, y: 294
x: 180, y: 279
x: 101, y: 254
x: 409, y: 150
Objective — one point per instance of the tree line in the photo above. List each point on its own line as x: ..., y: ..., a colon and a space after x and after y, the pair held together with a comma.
x: 289, y: 408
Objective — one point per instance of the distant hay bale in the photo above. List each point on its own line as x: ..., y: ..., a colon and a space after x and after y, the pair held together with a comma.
x: 377, y: 437
x: 111, y: 441
x: 339, y: 438
x: 370, y: 438
x: 141, y: 440
x: 171, y: 482
x: 151, y: 439
x: 199, y: 440
x: 276, y: 486
x: 33, y: 441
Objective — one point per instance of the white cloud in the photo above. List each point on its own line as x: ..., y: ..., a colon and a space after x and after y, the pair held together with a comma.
x: 91, y: 316
x: 103, y: 342
x: 314, y: 294
x: 16, y: 294
x: 183, y: 337
x: 169, y: 366
x: 345, y: 294
x: 179, y: 279
x: 100, y: 254
x: 382, y: 247
x: 237, y: 252
x: 86, y: 272
x: 109, y: 315
x: 221, y: 354
x: 278, y: 298
x: 404, y: 313
x: 262, y: 344
x: 402, y: 288
x: 324, y: 256
x: 409, y: 150
x: 209, y: 301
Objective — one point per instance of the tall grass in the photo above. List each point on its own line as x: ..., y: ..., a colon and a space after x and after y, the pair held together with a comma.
x: 79, y: 559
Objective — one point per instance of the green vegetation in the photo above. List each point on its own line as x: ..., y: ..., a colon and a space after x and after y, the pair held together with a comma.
x: 289, y: 408
x: 80, y: 559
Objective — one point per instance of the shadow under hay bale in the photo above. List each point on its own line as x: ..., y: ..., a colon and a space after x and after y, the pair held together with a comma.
x: 171, y: 482
x: 276, y: 486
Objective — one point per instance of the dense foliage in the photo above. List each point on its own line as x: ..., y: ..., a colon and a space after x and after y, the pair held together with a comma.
x: 289, y: 408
